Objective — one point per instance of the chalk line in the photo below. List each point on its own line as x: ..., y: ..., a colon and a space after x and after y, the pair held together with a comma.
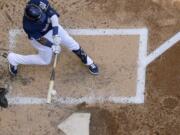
x: 140, y: 88
x: 141, y: 74
x: 12, y: 36
x: 89, y: 32
x: 163, y: 48
x: 71, y: 101
x: 104, y: 32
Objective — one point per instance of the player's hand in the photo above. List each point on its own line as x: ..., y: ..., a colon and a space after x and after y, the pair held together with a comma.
x: 57, y: 40
x: 56, y: 49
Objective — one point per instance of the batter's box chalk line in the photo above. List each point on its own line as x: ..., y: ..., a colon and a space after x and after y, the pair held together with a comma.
x: 141, y: 69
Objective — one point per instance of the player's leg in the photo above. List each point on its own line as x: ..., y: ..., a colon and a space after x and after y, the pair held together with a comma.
x: 72, y: 45
x: 43, y: 57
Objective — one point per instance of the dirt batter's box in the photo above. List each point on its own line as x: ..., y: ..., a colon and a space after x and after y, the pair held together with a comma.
x: 120, y: 54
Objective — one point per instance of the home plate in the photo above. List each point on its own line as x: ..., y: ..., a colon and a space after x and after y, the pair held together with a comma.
x: 76, y: 124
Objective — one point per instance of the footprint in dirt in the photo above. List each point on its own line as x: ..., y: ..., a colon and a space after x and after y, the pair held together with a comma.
x: 25, y: 80
x: 19, y: 79
x: 170, y: 102
x: 3, y: 73
x: 5, y: 76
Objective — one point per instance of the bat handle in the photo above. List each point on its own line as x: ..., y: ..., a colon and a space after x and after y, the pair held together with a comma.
x: 55, y: 60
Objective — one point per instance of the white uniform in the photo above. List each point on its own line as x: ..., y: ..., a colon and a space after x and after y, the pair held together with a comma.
x: 44, y: 55
x: 40, y: 22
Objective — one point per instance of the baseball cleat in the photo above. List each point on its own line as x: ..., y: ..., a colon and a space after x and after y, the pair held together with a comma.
x: 93, y: 68
x: 13, y: 70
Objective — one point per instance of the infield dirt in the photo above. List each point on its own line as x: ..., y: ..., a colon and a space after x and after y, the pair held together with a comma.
x: 159, y: 115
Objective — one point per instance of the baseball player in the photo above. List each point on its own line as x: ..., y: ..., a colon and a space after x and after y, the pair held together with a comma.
x: 41, y: 24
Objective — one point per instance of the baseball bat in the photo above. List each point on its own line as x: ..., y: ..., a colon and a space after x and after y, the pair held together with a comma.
x: 51, y: 90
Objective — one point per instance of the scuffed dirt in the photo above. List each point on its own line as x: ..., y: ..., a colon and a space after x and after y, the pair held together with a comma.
x: 160, y: 113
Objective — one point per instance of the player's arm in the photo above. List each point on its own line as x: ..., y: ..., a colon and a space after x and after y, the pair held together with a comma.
x: 55, y: 34
x: 44, y: 41
x: 55, y: 29
x: 55, y: 24
x: 38, y: 37
x: 54, y: 18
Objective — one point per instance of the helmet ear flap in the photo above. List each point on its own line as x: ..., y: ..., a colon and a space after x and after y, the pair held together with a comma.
x: 33, y: 12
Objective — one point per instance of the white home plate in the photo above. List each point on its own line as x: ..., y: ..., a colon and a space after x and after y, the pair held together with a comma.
x: 76, y: 124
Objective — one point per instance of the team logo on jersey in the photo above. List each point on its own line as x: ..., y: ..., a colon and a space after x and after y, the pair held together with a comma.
x: 43, y: 6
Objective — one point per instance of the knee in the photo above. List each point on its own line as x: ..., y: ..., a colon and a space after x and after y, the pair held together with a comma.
x: 74, y: 46
x: 70, y: 43
x: 46, y: 62
x: 46, y: 57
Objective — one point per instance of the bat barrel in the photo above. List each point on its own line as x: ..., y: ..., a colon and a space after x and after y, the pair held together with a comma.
x: 52, y: 79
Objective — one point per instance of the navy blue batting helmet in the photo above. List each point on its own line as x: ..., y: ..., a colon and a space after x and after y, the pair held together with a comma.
x: 34, y: 13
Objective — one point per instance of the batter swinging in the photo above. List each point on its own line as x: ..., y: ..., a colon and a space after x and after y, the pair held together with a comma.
x: 41, y: 24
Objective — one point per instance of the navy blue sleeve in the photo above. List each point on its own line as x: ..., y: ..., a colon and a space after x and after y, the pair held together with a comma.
x: 51, y: 11
x: 44, y: 41
x: 35, y: 35
x: 38, y: 37
x: 31, y: 30
x: 55, y: 30
x: 31, y: 34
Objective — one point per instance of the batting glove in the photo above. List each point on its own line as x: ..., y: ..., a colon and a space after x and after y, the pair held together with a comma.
x: 57, y: 40
x: 56, y: 49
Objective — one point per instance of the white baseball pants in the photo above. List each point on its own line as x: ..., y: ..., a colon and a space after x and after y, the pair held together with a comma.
x: 44, y: 55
